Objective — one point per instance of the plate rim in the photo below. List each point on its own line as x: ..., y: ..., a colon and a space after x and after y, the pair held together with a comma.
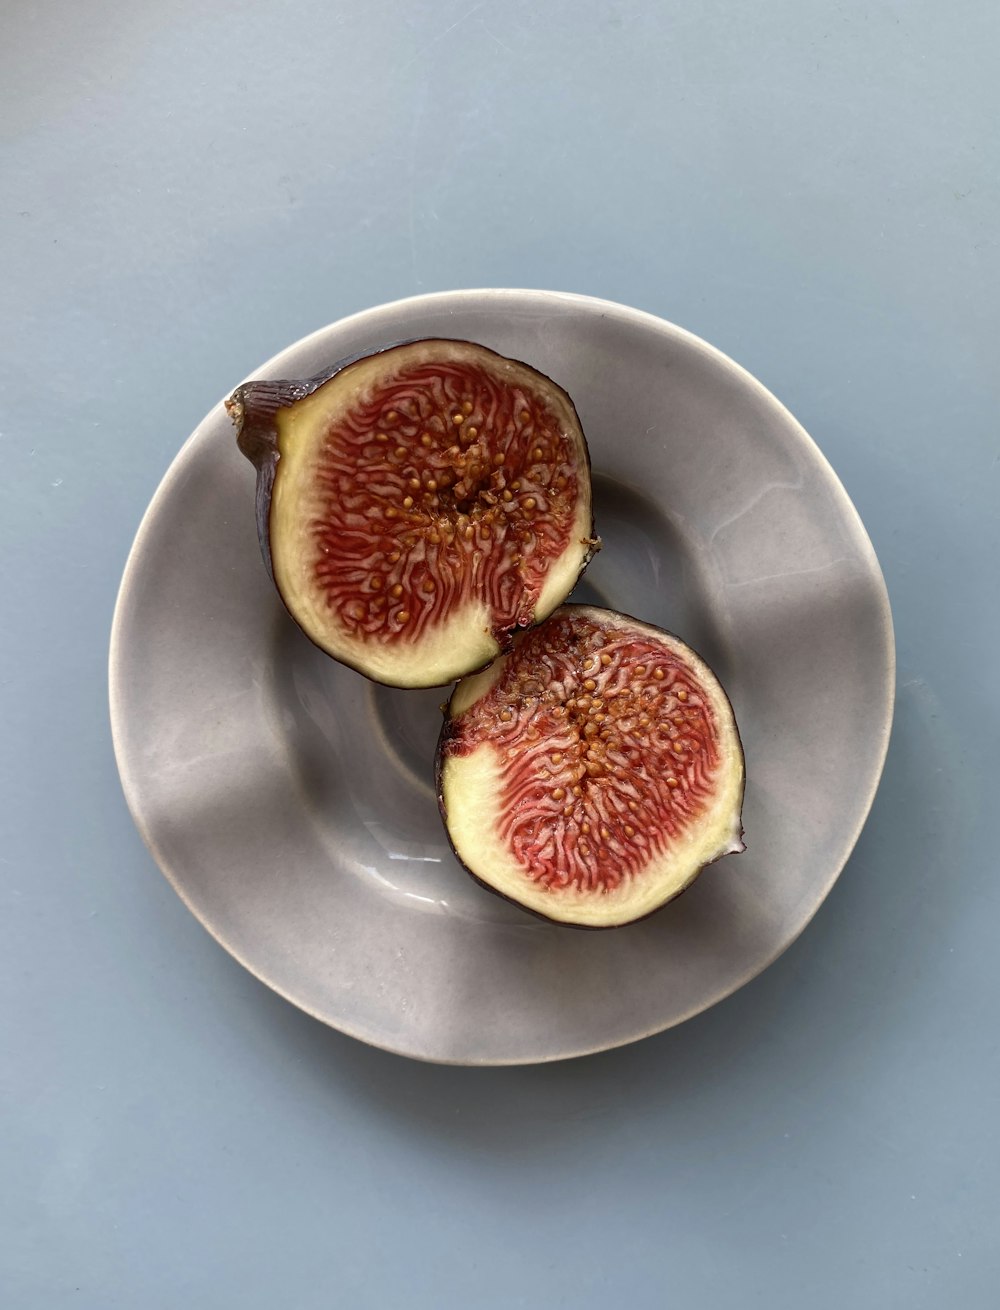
x: 589, y: 304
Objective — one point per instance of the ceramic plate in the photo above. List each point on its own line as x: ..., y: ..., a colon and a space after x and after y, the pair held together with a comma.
x: 290, y: 802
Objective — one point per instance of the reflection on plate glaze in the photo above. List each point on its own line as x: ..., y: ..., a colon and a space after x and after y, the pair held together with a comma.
x: 817, y: 548
x: 433, y: 902
x: 363, y: 756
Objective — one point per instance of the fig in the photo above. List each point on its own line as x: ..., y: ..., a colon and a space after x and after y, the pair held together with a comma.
x: 590, y: 774
x: 418, y: 506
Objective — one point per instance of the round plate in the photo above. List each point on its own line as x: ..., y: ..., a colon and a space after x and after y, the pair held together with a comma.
x: 290, y: 802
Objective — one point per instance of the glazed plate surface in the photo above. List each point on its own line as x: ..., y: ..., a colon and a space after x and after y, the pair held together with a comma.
x: 290, y: 802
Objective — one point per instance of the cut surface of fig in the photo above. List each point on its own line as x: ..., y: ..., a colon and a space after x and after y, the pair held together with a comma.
x: 590, y: 774
x: 419, y: 505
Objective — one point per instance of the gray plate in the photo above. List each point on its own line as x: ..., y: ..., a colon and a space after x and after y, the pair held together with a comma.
x: 290, y: 803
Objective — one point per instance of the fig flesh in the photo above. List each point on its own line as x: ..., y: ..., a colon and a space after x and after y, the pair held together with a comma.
x: 418, y: 506
x: 590, y: 774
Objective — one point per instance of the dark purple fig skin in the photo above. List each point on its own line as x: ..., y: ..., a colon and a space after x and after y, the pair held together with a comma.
x: 445, y: 736
x: 252, y: 408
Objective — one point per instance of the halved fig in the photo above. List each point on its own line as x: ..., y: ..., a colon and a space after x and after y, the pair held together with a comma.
x: 592, y: 773
x: 419, y: 505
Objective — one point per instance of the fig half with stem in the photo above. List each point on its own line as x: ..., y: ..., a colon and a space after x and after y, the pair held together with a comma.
x: 590, y: 774
x: 419, y: 505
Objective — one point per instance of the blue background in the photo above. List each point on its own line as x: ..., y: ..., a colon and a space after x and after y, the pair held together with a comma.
x: 186, y: 188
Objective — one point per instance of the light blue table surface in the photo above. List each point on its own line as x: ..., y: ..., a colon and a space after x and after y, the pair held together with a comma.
x: 187, y: 187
